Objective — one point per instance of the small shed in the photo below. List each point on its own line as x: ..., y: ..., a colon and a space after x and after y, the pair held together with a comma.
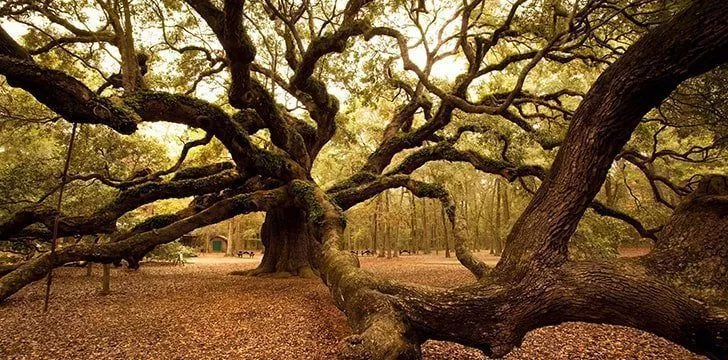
x: 217, y: 244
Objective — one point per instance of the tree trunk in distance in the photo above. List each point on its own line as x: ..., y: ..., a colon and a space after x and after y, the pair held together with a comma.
x: 497, y: 239
x: 413, y: 226
x: 230, y: 233
x: 425, y: 237
x: 387, y: 226
x: 445, y: 232
x: 105, y: 288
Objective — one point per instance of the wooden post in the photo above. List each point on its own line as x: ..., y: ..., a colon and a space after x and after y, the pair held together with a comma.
x: 105, y: 280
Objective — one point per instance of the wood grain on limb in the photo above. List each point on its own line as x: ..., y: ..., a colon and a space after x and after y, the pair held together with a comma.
x: 495, y: 317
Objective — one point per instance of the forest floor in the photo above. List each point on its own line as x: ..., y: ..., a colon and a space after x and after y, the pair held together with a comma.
x: 199, y: 312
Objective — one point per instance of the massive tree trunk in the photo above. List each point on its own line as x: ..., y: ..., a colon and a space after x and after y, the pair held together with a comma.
x: 692, y: 249
x: 289, y: 246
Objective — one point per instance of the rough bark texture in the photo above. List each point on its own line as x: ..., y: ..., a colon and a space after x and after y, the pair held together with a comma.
x: 693, y: 247
x: 289, y: 247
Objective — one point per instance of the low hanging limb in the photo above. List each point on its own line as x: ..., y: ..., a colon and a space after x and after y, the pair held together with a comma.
x: 54, y: 239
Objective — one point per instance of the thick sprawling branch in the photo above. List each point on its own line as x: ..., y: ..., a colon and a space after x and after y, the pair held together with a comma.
x: 140, y: 244
x: 65, y: 95
x: 446, y: 151
x: 104, y: 219
x: 614, y: 293
x: 391, y: 319
x: 245, y: 92
x: 158, y: 106
x: 382, y: 331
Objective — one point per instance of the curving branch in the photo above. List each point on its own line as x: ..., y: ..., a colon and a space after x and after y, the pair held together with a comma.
x: 604, y: 210
x: 446, y: 151
x: 637, y: 82
x: 140, y: 244
x: 65, y: 95
x: 104, y: 219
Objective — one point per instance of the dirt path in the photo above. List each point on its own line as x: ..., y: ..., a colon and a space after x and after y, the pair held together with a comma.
x: 199, y: 312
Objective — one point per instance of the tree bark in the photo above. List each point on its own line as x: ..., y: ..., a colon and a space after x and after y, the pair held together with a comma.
x: 105, y: 288
x: 692, y: 249
x: 289, y: 247
x: 692, y: 43
x: 497, y: 230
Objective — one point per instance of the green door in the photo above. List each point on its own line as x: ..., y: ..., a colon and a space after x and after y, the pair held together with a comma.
x: 217, y: 246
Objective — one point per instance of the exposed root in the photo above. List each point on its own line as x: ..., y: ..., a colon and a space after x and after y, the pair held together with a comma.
x: 382, y: 340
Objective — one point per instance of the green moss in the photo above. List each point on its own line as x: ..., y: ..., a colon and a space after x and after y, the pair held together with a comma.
x: 304, y: 193
x: 355, y: 180
x: 271, y: 164
x: 202, y: 171
x: 139, y: 100
x: 244, y: 203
